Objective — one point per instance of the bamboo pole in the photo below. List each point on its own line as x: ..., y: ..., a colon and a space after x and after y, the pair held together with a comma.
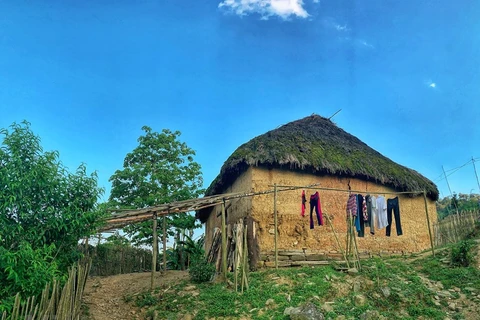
x: 338, y: 242
x: 275, y: 223
x: 356, y: 249
x: 154, y: 250
x: 164, y: 240
x: 224, y: 242
x: 428, y: 222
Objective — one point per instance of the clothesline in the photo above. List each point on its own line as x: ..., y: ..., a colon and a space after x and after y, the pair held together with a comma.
x: 342, y: 190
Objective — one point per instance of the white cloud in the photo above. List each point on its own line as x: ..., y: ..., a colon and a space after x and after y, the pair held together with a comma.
x: 365, y: 44
x: 331, y: 23
x: 429, y: 83
x: 266, y: 8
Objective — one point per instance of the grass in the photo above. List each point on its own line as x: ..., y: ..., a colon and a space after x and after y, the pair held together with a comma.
x: 389, y: 288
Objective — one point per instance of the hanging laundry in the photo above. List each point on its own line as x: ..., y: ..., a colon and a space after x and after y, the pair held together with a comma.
x: 359, y: 220
x: 315, y: 203
x: 371, y: 209
x: 381, y: 214
x: 364, y: 207
x: 393, y: 206
x: 304, y: 201
x: 367, y: 210
x: 352, y: 205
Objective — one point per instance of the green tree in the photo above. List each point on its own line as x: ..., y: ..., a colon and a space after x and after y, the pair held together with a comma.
x: 44, y: 211
x: 161, y: 169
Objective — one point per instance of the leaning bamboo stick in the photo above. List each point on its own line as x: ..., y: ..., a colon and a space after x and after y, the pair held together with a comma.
x: 336, y: 238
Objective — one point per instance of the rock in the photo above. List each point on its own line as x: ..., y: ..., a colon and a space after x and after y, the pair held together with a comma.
x: 195, y: 293
x: 275, y: 278
x: 269, y: 302
x: 187, y: 317
x: 469, y: 289
x: 370, y: 315
x: 437, y: 298
x: 452, y: 306
x: 306, y: 312
x: 438, y: 304
x: 271, y: 231
x: 356, y: 286
x: 341, y: 317
x: 327, y: 277
x: 385, y: 292
x: 444, y: 294
x: 456, y: 289
x: 359, y: 300
x: 189, y: 288
x: 352, y: 271
x: 327, y: 306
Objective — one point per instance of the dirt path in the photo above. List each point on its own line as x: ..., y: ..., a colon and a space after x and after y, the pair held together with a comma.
x: 105, y: 296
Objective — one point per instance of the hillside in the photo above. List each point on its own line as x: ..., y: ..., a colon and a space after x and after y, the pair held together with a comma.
x: 415, y: 287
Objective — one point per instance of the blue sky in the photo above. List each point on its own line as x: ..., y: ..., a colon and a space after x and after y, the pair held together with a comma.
x: 89, y: 74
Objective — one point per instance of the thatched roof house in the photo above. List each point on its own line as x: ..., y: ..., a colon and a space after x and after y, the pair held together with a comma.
x: 306, y: 151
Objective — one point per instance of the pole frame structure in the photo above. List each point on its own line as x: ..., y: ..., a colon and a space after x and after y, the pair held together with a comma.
x: 224, y: 242
x: 164, y: 240
x: 275, y: 218
x: 154, y: 250
x: 428, y: 222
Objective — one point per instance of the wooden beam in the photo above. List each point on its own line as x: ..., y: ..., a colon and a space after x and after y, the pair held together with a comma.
x: 224, y: 242
x: 154, y: 250
x: 275, y: 220
x: 164, y: 243
x: 428, y: 222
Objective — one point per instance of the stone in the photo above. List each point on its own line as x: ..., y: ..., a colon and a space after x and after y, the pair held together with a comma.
x: 437, y: 298
x: 370, y: 315
x: 269, y: 302
x: 327, y: 277
x: 187, y: 317
x: 452, y: 306
x: 456, y: 289
x: 469, y: 289
x: 356, y: 286
x: 341, y: 317
x: 189, y: 288
x: 444, y: 294
x: 271, y: 230
x: 327, y: 306
x: 352, y: 271
x: 306, y: 312
x: 386, y: 292
x: 359, y: 300
x: 438, y: 304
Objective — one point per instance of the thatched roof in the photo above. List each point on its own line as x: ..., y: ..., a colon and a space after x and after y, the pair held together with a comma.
x: 316, y: 145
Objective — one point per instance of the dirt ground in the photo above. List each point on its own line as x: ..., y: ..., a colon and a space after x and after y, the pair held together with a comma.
x: 104, y: 297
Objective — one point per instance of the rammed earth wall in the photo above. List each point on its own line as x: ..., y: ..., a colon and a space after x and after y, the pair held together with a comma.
x: 293, y: 229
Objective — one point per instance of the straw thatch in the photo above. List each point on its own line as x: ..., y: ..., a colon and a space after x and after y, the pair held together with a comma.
x: 316, y: 145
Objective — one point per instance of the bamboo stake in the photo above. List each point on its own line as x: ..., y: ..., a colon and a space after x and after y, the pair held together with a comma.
x: 356, y: 250
x: 275, y: 224
x: 336, y: 238
x: 235, y: 260
x: 154, y: 251
x: 247, y: 268
x: 164, y: 240
x: 244, y: 258
x: 428, y: 221
x: 224, y: 243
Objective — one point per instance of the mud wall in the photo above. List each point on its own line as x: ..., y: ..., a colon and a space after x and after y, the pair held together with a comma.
x: 235, y: 209
x: 295, y: 233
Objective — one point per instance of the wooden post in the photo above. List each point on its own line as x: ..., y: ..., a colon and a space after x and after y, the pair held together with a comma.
x: 154, y: 250
x: 428, y: 221
x: 165, y: 242
x: 224, y: 242
x: 338, y: 242
x: 275, y: 218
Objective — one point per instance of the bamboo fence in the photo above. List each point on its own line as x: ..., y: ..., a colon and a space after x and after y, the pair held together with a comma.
x: 455, y: 227
x: 56, y: 303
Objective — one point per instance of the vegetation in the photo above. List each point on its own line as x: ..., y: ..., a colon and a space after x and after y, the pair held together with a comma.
x: 390, y: 288
x: 457, y: 203
x: 161, y: 169
x: 45, y: 210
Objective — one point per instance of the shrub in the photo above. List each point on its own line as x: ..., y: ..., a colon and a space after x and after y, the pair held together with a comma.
x: 200, y: 270
x: 461, y: 254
